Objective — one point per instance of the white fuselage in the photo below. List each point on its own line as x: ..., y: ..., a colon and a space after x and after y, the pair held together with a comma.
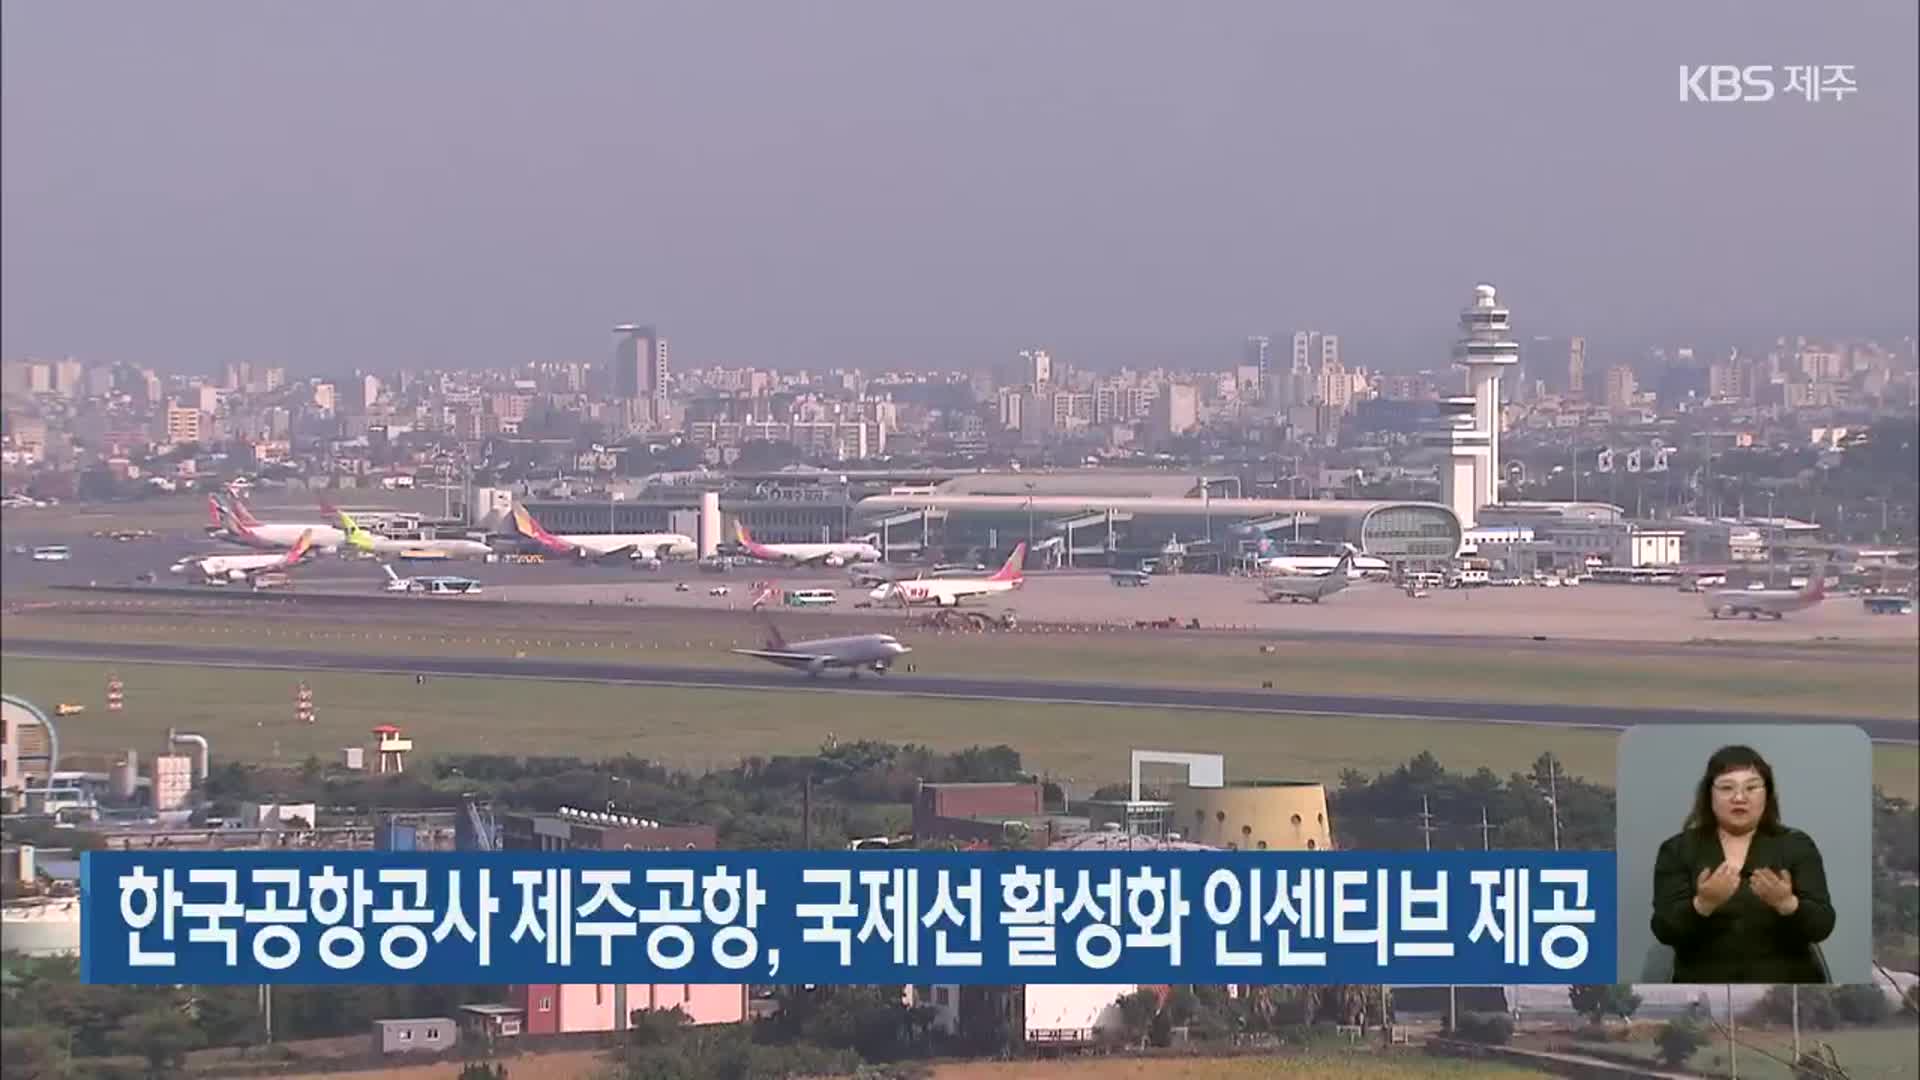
x: 941, y: 592
x: 644, y: 545
x: 230, y: 567
x: 1319, y: 565
x: 831, y: 554
x: 281, y: 536
x: 451, y: 547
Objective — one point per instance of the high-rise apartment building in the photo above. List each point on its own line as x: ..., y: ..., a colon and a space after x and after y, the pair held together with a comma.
x: 1259, y: 357
x: 1577, y: 368
x: 640, y: 370
x: 1621, y: 386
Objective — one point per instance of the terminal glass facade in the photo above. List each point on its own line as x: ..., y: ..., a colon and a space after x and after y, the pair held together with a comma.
x: 1410, y: 533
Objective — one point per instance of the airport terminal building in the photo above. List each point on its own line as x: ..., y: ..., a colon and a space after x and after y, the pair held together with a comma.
x: 1103, y: 518
x: 1080, y: 518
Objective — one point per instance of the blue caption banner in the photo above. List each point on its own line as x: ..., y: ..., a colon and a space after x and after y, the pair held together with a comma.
x: 978, y: 918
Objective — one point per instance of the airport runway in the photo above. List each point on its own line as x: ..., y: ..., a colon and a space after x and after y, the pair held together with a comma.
x: 907, y: 684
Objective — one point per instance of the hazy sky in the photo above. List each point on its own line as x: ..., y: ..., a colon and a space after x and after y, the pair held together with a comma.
x: 386, y: 183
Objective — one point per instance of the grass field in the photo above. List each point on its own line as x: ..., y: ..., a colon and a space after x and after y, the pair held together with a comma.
x: 1865, y: 1053
x: 1701, y: 678
x: 1318, y: 1065
x: 248, y: 714
x: 1314, y: 1066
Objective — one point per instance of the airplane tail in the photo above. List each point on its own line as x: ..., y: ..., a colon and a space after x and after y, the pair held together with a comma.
x: 528, y: 525
x: 1345, y: 566
x: 391, y: 576
x: 240, y: 512
x: 1012, y: 571
x: 213, y: 513
x: 1816, y: 584
x: 300, y: 548
x: 775, y: 639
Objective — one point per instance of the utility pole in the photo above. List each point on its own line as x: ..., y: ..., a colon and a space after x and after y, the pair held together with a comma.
x: 1794, y: 988
x: 1486, y: 831
x: 1426, y: 844
x: 806, y: 814
x: 1553, y: 799
x: 1733, y: 1039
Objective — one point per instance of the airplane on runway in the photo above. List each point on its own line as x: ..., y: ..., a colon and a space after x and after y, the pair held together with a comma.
x: 1773, y: 603
x: 432, y: 586
x: 360, y: 539
x: 841, y: 554
x: 651, y: 547
x: 948, y: 592
x: 1311, y: 559
x: 241, y: 527
x: 1312, y: 588
x: 222, y: 569
x: 862, y: 652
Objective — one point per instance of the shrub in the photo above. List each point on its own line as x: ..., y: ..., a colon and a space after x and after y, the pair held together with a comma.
x: 1677, y: 1041
x: 1492, y: 1029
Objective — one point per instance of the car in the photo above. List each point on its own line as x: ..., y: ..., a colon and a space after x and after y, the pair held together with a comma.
x: 681, y: 586
x: 718, y: 590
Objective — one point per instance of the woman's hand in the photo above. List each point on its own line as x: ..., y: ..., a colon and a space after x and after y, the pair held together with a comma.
x: 1775, y: 889
x: 1715, y: 887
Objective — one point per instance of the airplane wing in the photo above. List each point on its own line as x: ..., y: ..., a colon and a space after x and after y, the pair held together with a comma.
x: 797, y: 660
x: 616, y: 553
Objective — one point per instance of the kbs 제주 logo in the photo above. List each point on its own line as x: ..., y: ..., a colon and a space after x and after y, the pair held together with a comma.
x: 1754, y: 83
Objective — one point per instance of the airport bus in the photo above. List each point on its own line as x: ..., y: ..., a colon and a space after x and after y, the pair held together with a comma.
x: 52, y: 553
x: 811, y: 597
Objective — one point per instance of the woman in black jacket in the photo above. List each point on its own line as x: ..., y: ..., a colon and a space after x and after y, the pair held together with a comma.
x: 1740, y: 897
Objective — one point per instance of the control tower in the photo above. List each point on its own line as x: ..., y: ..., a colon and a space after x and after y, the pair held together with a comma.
x: 1486, y: 348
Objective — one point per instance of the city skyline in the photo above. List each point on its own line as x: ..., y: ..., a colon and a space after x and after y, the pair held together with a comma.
x: 1125, y: 186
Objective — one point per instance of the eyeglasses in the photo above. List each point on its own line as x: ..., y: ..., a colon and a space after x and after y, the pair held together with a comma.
x: 1728, y: 791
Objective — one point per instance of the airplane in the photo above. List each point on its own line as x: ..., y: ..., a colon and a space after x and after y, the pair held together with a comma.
x: 598, y: 546
x: 840, y: 554
x: 1313, y: 588
x: 221, y: 569
x: 1773, y: 603
x: 432, y: 586
x: 862, y: 652
x: 1316, y: 559
x: 241, y: 527
x: 948, y: 592
x: 360, y: 539
x: 867, y: 573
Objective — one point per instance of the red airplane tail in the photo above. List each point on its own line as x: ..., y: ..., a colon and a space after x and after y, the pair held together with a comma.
x: 240, y: 512
x: 299, y: 550
x: 1012, y: 571
x: 213, y: 513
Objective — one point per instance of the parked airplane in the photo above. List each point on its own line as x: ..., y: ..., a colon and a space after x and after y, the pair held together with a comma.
x: 1312, y: 559
x: 827, y: 554
x: 243, y: 528
x: 360, y: 539
x: 1773, y: 603
x: 862, y: 652
x: 1309, y: 587
x: 432, y: 586
x: 867, y: 573
x: 948, y: 592
x: 221, y: 569
x: 597, y: 546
